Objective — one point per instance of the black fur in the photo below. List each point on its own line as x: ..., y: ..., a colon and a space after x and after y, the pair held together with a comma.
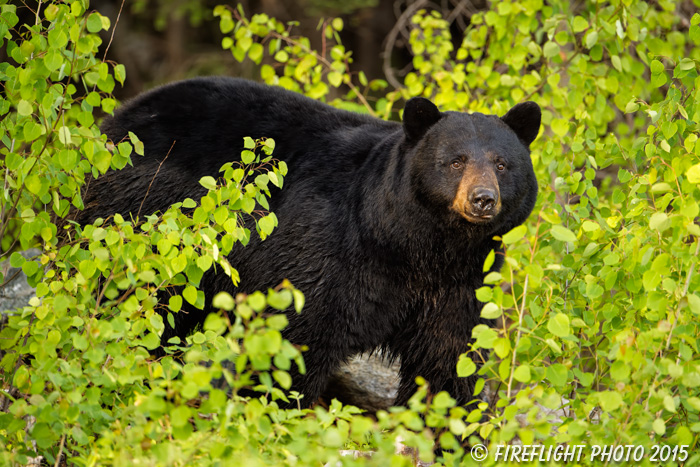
x: 366, y: 225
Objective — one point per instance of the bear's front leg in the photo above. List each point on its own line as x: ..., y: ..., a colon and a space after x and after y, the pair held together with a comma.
x: 431, y: 348
x: 326, y: 349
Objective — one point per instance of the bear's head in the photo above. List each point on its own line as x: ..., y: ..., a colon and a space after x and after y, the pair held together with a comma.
x: 472, y: 169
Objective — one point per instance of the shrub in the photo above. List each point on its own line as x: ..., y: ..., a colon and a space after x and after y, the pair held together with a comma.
x: 598, y: 296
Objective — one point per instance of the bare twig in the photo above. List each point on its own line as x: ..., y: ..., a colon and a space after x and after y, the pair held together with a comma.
x: 462, y: 8
x: 114, y: 28
x: 104, y: 289
x: 153, y: 179
x: 60, y: 451
x: 36, y: 17
x: 521, y: 313
x: 401, y: 23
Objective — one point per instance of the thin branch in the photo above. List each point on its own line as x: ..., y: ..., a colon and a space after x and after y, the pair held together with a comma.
x: 401, y: 23
x: 104, y: 289
x: 36, y: 16
x: 111, y: 38
x: 153, y: 179
x: 60, y: 451
x: 521, y: 312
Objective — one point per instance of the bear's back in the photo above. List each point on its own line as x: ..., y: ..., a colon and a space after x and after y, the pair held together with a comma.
x: 191, y: 128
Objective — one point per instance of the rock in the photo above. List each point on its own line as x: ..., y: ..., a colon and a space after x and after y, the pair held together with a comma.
x: 16, y: 292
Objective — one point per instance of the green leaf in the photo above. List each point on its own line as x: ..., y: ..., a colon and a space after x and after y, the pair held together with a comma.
x: 465, y: 366
x: 522, y: 374
x: 659, y: 221
x: 560, y: 126
x: 590, y: 226
x: 651, y: 280
x: 247, y: 157
x: 616, y: 63
x: 693, y: 174
x: 16, y: 260
x: 64, y: 135
x: 557, y: 374
x: 299, y: 300
x: 632, y: 106
x: 488, y: 262
x: 484, y: 294
x: 594, y: 290
x: 282, y: 56
x: 108, y: 104
x: 248, y: 142
x: 32, y: 130
x: 190, y: 294
x: 80, y: 342
x: 687, y: 64
x: 94, y: 23
x: 87, y: 268
x: 257, y: 301
x: 563, y: 234
x: 279, y: 300
x: 278, y: 322
x: 175, y: 303
x: 656, y: 67
x: 619, y: 371
x: 24, y: 108
x: 102, y: 161
x: 283, y: 378
x: 559, y: 325
x: 485, y: 336
x: 208, y: 182
x: 694, y: 303
x: 580, y: 24
x: 180, y: 415
x: 255, y: 53
x: 266, y: 224
x: 514, y: 235
x: 658, y: 80
x: 491, y: 311
x: 610, y: 400
x: 502, y: 347
x: 68, y: 159
x: 33, y: 184
x: 335, y: 79
x: 53, y: 59
x: 659, y: 426
x: 120, y: 73
x: 550, y: 49
x: 591, y: 39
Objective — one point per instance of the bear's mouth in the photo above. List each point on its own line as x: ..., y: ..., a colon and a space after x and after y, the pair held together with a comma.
x: 478, y: 219
x: 475, y: 218
x: 478, y: 216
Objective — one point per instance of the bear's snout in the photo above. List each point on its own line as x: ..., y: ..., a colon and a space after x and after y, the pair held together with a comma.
x: 483, y: 201
x: 478, y: 198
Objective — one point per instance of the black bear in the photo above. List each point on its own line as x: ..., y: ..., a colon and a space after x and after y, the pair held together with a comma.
x: 383, y: 226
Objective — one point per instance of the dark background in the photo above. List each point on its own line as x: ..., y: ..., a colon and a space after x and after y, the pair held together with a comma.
x: 165, y: 40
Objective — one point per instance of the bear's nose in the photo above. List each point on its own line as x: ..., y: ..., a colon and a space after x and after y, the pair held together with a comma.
x: 483, y: 200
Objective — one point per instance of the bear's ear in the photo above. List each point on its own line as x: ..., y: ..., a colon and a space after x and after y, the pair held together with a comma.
x: 524, y: 120
x: 419, y: 115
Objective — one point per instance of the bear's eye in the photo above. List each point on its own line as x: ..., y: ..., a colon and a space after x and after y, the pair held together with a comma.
x: 500, y: 166
x: 456, y: 164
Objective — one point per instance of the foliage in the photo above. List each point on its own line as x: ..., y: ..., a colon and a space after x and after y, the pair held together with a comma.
x: 598, y: 294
